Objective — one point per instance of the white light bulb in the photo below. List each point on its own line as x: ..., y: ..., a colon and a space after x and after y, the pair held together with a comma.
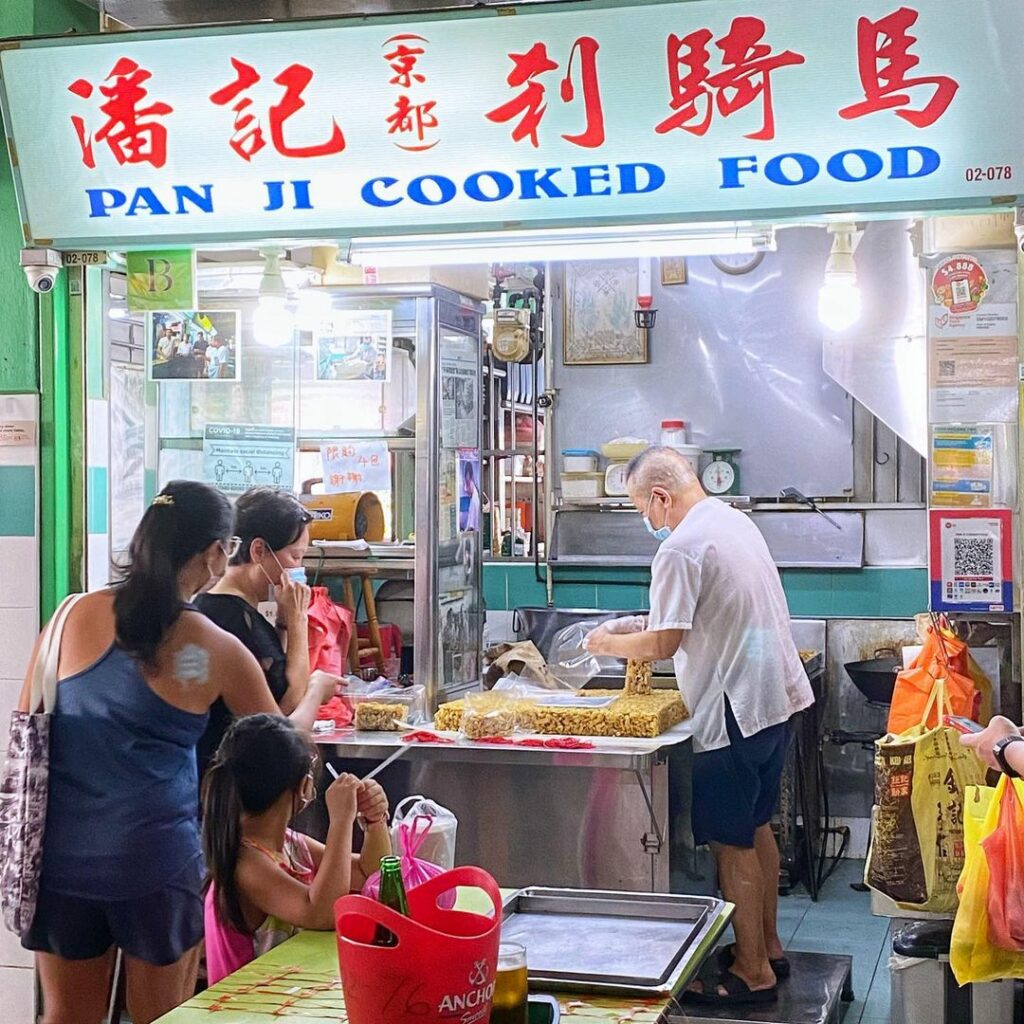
x: 839, y: 302
x: 274, y: 322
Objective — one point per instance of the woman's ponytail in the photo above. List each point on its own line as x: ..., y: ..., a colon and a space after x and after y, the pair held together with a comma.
x: 184, y: 519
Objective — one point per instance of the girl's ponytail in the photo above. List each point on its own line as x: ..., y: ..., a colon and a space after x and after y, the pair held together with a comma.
x: 222, y: 839
x: 260, y: 758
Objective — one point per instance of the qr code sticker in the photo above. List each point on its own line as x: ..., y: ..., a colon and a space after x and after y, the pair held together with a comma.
x: 974, y: 556
x: 947, y: 369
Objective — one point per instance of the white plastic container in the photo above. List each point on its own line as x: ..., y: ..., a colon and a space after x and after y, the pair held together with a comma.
x: 673, y: 433
x: 690, y: 452
x: 582, y: 485
x: 579, y: 460
x: 615, y: 480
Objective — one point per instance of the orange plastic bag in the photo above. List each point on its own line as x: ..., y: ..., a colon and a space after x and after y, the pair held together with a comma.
x: 943, y: 656
x: 1004, y: 852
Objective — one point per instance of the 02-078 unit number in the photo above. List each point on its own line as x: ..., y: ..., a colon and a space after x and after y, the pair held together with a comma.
x: 1001, y: 172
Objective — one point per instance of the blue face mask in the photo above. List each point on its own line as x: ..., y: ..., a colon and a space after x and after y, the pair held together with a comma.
x: 659, y: 535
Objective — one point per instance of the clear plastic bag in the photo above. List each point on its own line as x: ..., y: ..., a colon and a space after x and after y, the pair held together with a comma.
x: 570, y: 662
x: 438, y: 845
x: 493, y: 714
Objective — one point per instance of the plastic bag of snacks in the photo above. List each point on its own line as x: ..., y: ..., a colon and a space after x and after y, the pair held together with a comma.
x: 493, y: 714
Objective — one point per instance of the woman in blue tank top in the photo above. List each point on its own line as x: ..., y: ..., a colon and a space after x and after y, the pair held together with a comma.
x: 122, y: 861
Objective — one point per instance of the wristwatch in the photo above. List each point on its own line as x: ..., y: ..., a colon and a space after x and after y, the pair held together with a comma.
x: 999, y: 753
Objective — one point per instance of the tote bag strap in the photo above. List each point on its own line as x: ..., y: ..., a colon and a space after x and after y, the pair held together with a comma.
x: 938, y: 699
x: 43, y: 693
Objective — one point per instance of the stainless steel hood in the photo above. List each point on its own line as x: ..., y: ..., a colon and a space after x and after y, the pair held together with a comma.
x: 170, y: 13
x: 882, y: 361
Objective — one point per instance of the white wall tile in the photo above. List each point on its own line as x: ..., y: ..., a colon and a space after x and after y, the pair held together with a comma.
x: 99, y: 560
x: 17, y: 995
x: 10, y: 690
x: 12, y: 954
x: 18, y: 631
x: 19, y: 570
x: 98, y: 435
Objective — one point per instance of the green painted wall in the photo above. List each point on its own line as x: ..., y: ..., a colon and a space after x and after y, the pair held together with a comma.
x: 811, y: 593
x: 19, y: 360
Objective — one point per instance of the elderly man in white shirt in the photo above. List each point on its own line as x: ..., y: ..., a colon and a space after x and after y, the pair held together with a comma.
x: 718, y: 609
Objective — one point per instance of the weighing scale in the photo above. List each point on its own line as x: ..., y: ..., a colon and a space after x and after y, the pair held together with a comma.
x: 722, y: 474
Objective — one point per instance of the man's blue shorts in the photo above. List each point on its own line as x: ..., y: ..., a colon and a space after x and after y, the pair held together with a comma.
x: 736, y: 788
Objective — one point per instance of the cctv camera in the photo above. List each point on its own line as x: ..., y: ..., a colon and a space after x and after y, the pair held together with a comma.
x: 41, y: 267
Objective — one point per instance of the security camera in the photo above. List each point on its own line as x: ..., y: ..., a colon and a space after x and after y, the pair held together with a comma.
x: 41, y: 267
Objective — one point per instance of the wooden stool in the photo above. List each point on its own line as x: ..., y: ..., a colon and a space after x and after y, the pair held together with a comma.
x: 372, y: 647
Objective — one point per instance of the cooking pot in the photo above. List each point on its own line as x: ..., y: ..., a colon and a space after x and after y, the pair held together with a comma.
x: 876, y: 677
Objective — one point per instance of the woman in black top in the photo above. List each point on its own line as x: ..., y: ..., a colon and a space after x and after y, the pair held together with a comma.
x: 273, y: 527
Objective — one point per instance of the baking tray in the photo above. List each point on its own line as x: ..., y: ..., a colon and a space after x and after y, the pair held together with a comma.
x: 616, y: 943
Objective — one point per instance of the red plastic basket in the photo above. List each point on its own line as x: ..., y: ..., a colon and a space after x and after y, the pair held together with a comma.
x: 443, y: 966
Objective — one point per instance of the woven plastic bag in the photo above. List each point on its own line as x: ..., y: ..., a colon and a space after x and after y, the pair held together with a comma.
x: 414, y: 870
x: 917, y: 844
x: 973, y: 956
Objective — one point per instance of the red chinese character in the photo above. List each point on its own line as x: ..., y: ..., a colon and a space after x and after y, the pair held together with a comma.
x: 884, y: 62
x: 747, y: 66
x: 531, y: 104
x: 248, y: 138
x: 410, y: 118
x: 131, y: 131
x: 403, y: 60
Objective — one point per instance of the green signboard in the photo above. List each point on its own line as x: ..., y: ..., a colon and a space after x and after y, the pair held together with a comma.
x: 161, y: 279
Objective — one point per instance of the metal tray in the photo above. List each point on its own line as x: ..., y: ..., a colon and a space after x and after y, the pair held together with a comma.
x: 617, y: 943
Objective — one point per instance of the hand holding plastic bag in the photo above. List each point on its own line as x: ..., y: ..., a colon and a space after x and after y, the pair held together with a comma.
x: 571, y: 662
x: 415, y: 870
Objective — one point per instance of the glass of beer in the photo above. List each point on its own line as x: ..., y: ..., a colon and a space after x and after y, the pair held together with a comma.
x: 511, y: 990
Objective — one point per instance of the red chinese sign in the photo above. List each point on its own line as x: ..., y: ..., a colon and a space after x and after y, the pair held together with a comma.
x: 133, y: 131
x: 248, y: 138
x: 412, y: 118
x: 707, y: 77
x: 745, y: 77
x: 530, y: 104
x: 884, y: 62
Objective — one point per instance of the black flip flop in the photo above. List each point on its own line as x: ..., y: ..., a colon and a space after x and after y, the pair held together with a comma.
x: 737, y: 991
x: 727, y: 957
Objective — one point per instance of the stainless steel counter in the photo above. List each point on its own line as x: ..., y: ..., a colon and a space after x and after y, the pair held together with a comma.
x: 616, y: 817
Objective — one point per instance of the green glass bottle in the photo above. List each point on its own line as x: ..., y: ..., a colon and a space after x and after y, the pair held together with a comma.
x: 391, y: 894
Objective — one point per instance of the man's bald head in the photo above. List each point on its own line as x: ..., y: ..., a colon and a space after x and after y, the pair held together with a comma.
x: 660, y: 467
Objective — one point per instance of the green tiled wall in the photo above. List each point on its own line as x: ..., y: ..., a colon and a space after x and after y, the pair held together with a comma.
x: 832, y: 593
x: 17, y: 501
x: 98, y: 499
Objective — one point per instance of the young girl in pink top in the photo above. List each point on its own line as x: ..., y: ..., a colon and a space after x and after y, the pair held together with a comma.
x: 268, y: 882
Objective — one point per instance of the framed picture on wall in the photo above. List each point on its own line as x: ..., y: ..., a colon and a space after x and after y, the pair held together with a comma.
x: 673, y: 270
x: 194, y: 345
x: 599, y: 301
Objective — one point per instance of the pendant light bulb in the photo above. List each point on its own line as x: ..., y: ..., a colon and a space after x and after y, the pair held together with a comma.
x: 840, y: 303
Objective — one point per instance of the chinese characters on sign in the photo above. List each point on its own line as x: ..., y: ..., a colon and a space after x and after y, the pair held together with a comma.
x: 884, y: 59
x: 365, y: 466
x: 411, y: 118
x: 248, y: 138
x: 660, y: 112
